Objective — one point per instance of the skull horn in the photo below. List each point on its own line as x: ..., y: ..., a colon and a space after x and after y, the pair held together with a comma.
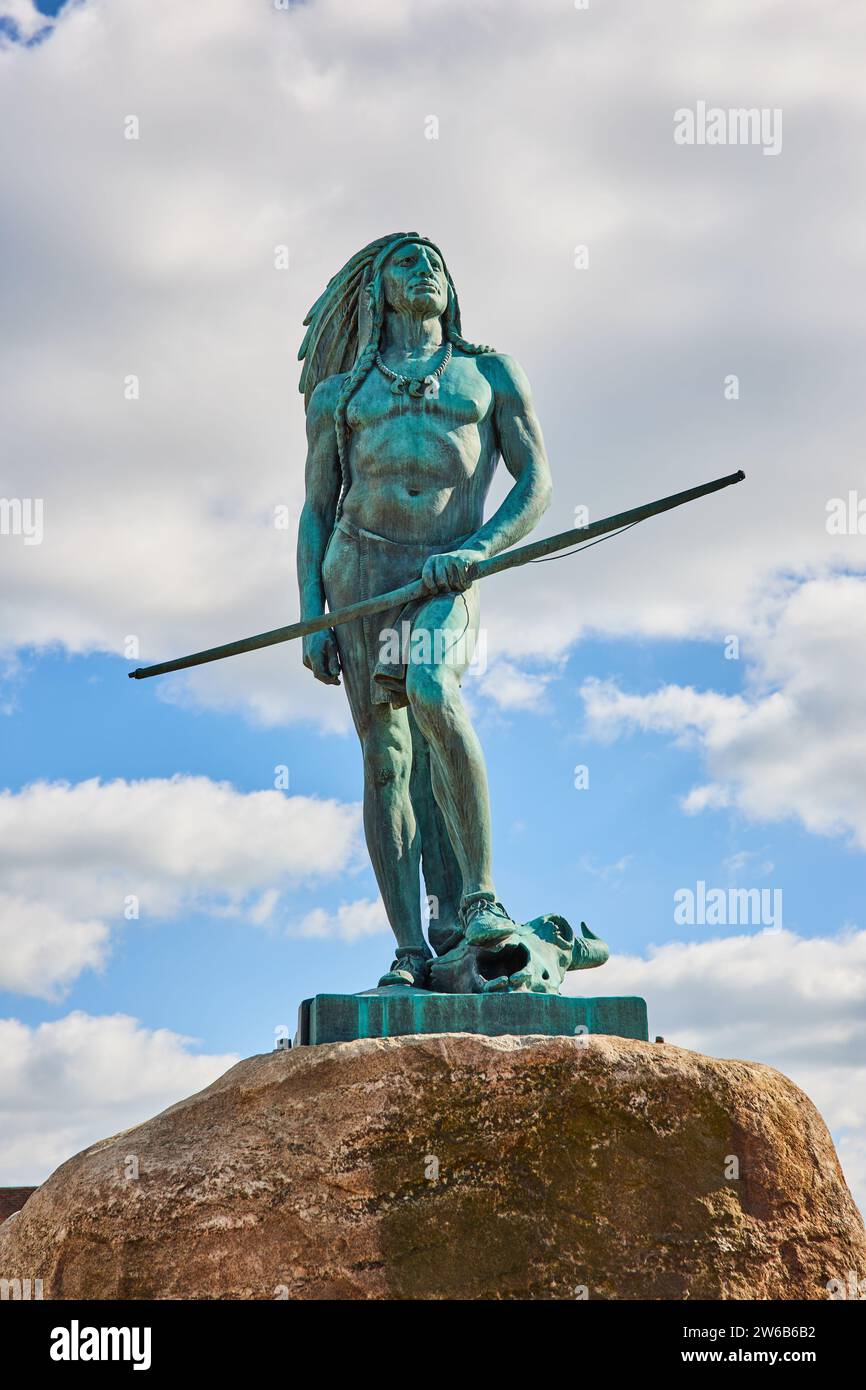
x: 588, y: 950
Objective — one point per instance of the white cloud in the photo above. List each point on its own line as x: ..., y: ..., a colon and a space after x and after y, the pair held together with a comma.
x: 795, y: 743
x: 511, y: 688
x: 350, y: 921
x: 72, y: 855
x: 607, y: 872
x: 72, y: 1082
x: 795, y: 1003
x: 734, y: 864
x: 156, y: 257
x: 43, y: 949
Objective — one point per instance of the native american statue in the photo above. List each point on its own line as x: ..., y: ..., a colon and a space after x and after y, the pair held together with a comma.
x: 406, y: 422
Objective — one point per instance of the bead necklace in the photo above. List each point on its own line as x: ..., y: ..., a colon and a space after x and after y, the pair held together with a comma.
x: 417, y: 387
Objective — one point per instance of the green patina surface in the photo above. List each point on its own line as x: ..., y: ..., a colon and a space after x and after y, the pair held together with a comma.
x: 399, y: 1012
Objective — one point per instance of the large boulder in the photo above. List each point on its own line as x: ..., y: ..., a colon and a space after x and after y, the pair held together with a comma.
x: 456, y: 1166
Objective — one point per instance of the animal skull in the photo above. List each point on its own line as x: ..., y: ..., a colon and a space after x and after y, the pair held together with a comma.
x: 533, y: 958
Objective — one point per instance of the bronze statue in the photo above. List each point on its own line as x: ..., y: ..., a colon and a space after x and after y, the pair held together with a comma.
x: 406, y: 422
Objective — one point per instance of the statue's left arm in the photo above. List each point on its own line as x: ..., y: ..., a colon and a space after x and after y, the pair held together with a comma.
x: 518, y: 435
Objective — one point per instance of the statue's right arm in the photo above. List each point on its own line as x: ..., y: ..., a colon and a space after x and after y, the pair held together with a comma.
x: 322, y: 489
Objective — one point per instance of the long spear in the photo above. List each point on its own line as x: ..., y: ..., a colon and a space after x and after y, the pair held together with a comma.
x: 396, y: 598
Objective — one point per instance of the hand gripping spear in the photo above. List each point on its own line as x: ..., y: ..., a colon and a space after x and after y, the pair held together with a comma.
x: 506, y: 560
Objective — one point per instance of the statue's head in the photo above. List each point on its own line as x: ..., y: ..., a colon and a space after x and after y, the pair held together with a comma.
x: 408, y: 276
x: 414, y: 280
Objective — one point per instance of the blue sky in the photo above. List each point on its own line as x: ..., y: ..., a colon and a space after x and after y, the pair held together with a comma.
x: 150, y: 252
x: 612, y: 855
x: 33, y: 30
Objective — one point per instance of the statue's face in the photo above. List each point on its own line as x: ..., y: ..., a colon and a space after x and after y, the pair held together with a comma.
x: 414, y: 281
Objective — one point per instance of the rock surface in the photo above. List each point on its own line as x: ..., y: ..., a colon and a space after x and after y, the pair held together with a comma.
x: 455, y: 1166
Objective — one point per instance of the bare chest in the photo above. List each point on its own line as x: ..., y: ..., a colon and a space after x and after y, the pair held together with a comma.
x: 464, y: 398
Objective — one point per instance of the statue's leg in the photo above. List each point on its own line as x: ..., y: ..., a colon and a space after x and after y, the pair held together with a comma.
x: 459, y: 776
x: 390, y: 826
x: 442, y: 878
x: 350, y: 571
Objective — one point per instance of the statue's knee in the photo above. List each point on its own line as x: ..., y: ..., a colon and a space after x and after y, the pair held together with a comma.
x: 387, y: 760
x: 430, y: 690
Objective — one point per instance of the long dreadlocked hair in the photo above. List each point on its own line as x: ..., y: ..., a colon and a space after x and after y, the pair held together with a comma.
x: 344, y: 331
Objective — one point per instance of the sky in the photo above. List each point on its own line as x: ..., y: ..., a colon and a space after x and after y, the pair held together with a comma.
x: 181, y: 860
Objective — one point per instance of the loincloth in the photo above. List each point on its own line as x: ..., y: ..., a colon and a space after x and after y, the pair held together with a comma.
x: 359, y: 564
